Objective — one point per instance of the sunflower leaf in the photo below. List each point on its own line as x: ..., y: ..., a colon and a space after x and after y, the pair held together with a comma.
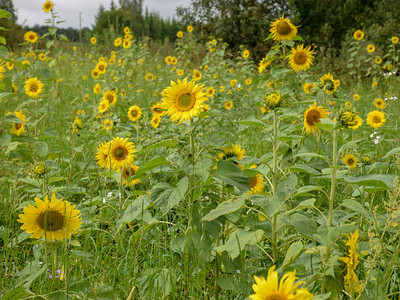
x: 231, y: 174
x: 223, y: 209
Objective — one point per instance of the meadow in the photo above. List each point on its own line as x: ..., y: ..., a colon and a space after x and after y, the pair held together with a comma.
x: 134, y: 172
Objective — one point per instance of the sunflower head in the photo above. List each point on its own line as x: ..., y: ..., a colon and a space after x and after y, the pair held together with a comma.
x: 110, y: 97
x: 376, y: 119
x: 370, y: 48
x: 348, y: 118
x: 328, y: 84
x: 134, y: 113
x: 93, y: 40
x: 121, y: 153
x: 358, y: 35
x: 179, y: 34
x: 235, y: 152
x: 128, y: 173
x: 48, y: 6
x: 313, y: 116
x: 264, y: 63
x: 31, y: 37
x: 55, y: 219
x: 380, y: 103
x: 307, y: 87
x: 273, y: 100
x: 246, y: 53
x: 228, y: 105
x: 256, y: 183
x: 378, y: 60
x: 155, y: 120
x: 107, y: 124
x: 18, y: 128
x: 395, y: 39
x: 196, y: 75
x: 33, y: 87
x: 283, y: 29
x: 39, y: 169
x: 300, y: 58
x: 350, y: 160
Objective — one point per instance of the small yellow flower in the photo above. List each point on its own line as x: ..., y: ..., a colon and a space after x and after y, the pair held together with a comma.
x: 190, y: 28
x: 179, y: 34
x: 356, y: 97
x: 93, y: 40
x: 395, y: 39
x: 370, y: 48
x: 48, y: 6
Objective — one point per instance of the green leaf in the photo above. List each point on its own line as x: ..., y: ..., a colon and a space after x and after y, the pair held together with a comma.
x: 310, y: 155
x: 305, y: 169
x: 12, y: 118
x: 154, y: 163
x: 355, y: 206
x: 4, y: 14
x: 166, y: 197
x: 253, y: 122
x: 30, y: 181
x: 166, y: 143
x: 391, y: 152
x: 321, y: 297
x: 4, y: 52
x: 3, y: 40
x: 373, y: 180
x: 303, y: 223
x: 231, y: 174
x: 224, y: 209
x: 348, y: 145
x: 42, y: 149
x: 134, y: 210
x: 17, y: 293
x: 238, y: 240
x: 306, y: 189
x: 292, y: 253
x: 326, y: 124
x: 5, y: 139
x: 227, y: 283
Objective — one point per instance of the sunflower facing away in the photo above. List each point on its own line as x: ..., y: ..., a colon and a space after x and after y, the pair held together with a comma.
x: 312, y: 116
x: 134, y: 113
x: 31, y: 37
x: 183, y: 100
x: 55, y: 219
x: 48, y: 6
x: 18, y: 128
x: 376, y: 119
x: 328, y: 84
x: 264, y: 63
x: 102, y: 155
x: 232, y: 152
x: 301, y: 58
x: 349, y: 119
x: 33, y: 87
x: 270, y: 289
x: 121, y: 153
x: 350, y: 160
x: 358, y: 35
x: 273, y: 100
x: 283, y: 29
x: 307, y: 87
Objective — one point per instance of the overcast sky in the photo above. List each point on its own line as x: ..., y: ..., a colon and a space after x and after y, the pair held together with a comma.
x: 30, y: 11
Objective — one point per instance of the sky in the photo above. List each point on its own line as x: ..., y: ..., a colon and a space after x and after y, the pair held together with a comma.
x: 30, y: 11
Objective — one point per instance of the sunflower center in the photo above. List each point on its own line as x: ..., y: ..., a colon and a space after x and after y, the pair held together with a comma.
x: 34, y: 88
x: 283, y: 28
x: 350, y: 161
x: 17, y: 125
x: 376, y: 119
x: 119, y: 153
x: 300, y: 58
x: 276, y: 296
x: 47, y: 6
x: 50, y: 220
x: 101, y: 67
x: 253, y: 181
x: 313, y: 116
x: 186, y: 102
x: 134, y: 113
x: 129, y: 172
x: 110, y: 98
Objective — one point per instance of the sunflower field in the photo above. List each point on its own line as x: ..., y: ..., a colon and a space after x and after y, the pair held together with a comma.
x: 130, y: 174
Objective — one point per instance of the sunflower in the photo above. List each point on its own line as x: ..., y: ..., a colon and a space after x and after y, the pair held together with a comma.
x: 33, y: 87
x: 155, y: 120
x: 9, y: 65
x: 168, y: 59
x: 128, y: 173
x: 232, y: 152
x: 180, y: 72
x: 97, y: 88
x: 379, y: 103
x: 93, y: 40
x: 179, y: 34
x: 118, y: 42
x: 110, y: 96
x: 273, y: 100
x: 356, y: 97
x: 328, y: 84
x: 18, y: 128
x: 148, y: 76
x: 39, y: 168
x: 48, y: 6
x: 121, y: 153
x: 376, y: 119
x: 107, y: 124
x: 301, y: 58
x: 126, y: 44
x: 190, y: 28
x: 101, y: 67
x: 349, y: 119
x: 358, y: 35
x: 210, y: 92
x: 127, y: 30
x: 95, y: 73
x: 183, y: 100
x: 14, y: 88
x: 285, y: 290
x: 374, y: 84
x: 378, y: 60
x: 77, y: 125
x: 264, y: 63
x: 228, y: 105
x: 395, y: 39
x: 350, y: 160
x: 196, y: 75
x: 158, y: 109
x: 312, y: 116
x: 55, y: 219
x: 370, y: 48
x: 134, y: 113
x: 283, y: 29
x: 42, y: 56
x: 307, y: 87
x: 102, y: 155
x: 103, y: 106
x: 246, y: 53
x: 248, y: 81
x: 256, y: 183
x: 31, y: 37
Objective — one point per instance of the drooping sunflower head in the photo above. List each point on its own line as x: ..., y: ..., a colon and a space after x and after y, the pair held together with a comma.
x: 228, y: 153
x: 33, y: 87
x: 264, y: 63
x: 370, y: 48
x: 55, y: 219
x: 272, y: 289
x: 183, y: 100
x: 301, y: 58
x: 228, y: 105
x: 128, y: 173
x: 256, y: 183
x: 350, y: 160
x: 328, y: 84
x: 312, y: 116
x: 348, y: 118
x: 31, y: 37
x: 48, y: 6
x: 307, y: 87
x: 121, y: 153
x: 283, y: 29
x: 273, y: 100
x: 110, y: 96
x: 358, y: 35
x: 134, y: 113
x: 380, y: 103
x: 376, y: 119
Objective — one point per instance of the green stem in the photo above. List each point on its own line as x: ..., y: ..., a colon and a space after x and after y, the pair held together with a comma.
x: 274, y: 186
x: 333, y: 181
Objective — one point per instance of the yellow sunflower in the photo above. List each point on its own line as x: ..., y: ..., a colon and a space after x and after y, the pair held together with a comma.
x: 378, y: 60
x: 183, y: 100
x: 31, y: 37
x: 228, y: 104
x: 232, y: 152
x: 270, y: 289
x: 376, y: 119
x: 33, y: 87
x: 102, y: 155
x: 39, y: 168
x: 246, y: 53
x: 196, y: 75
x: 18, y: 128
x: 190, y: 28
x: 117, y: 42
x: 307, y: 87
x: 210, y: 92
x: 134, y: 113
x: 356, y: 97
x: 126, y: 44
x: 379, y: 103
x: 121, y: 153
x: 179, y: 34
x: 48, y: 6
x: 301, y: 58
x: 283, y: 29
x: 9, y: 65
x: 155, y: 120
x: 107, y: 124
x: 349, y: 119
x: 55, y: 219
x: 95, y: 73
x: 42, y: 56
x: 180, y: 72
x: 103, y: 106
x: 312, y: 116
x: 93, y: 40
x: 350, y: 160
x: 14, y: 88
x: 328, y: 84
x: 110, y: 96
x: 264, y: 63
x: 148, y: 76
x: 256, y: 183
x: 101, y: 67
x: 97, y: 88
x: 358, y: 35
x: 370, y: 48
x: 395, y: 39
x: 273, y: 100
x: 127, y: 30
x: 128, y: 173
x: 248, y: 81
